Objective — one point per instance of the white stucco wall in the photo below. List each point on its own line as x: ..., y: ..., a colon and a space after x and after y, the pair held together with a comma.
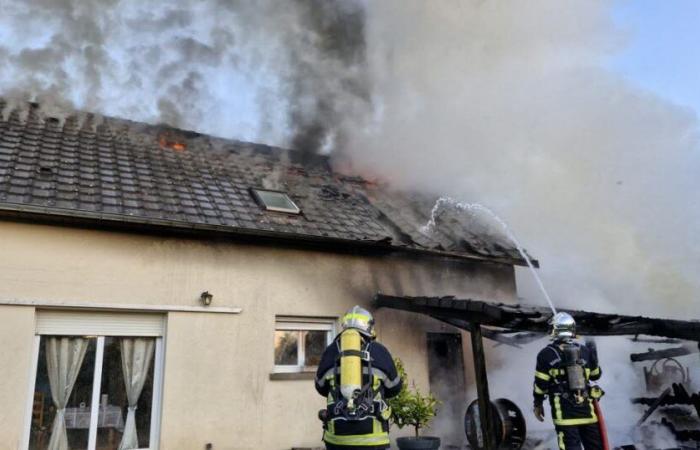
x: 216, y: 381
x: 16, y: 344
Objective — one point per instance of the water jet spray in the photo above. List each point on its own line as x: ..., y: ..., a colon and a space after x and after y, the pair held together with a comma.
x: 476, y: 207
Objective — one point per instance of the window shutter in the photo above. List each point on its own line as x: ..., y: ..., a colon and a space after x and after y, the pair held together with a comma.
x: 77, y: 323
x: 304, y: 323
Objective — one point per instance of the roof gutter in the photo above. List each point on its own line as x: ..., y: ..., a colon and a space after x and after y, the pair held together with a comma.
x: 116, y: 221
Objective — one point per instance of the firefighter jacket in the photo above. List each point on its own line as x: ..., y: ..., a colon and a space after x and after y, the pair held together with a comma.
x: 568, y: 408
x: 379, y: 375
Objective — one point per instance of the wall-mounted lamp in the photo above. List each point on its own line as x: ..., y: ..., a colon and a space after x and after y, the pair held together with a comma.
x: 206, y: 298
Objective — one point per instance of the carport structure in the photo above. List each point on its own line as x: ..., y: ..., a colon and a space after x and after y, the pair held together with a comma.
x: 513, y: 324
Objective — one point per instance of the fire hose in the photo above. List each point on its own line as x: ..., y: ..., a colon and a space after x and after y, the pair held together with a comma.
x: 601, y: 425
x: 599, y: 393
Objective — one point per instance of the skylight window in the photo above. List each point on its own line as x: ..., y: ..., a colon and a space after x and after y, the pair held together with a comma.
x: 275, y: 201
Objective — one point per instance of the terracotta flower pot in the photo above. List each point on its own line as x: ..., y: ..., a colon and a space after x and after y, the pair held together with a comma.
x: 418, y: 443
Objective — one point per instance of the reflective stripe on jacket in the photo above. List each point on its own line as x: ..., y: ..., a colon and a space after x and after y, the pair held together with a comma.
x: 373, y: 430
x: 550, y: 381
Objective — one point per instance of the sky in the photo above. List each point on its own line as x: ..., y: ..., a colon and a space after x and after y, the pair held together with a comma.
x: 662, y: 52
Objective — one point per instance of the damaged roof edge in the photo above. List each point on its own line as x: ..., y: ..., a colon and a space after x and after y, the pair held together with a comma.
x: 119, y: 173
x: 51, y: 215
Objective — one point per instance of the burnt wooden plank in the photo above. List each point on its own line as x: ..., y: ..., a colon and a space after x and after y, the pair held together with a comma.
x: 675, y: 352
x: 531, y: 318
x: 654, y: 406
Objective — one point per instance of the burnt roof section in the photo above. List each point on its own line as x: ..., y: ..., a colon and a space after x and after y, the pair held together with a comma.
x: 112, y: 171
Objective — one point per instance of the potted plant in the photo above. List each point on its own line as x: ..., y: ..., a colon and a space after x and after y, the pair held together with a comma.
x: 412, y: 408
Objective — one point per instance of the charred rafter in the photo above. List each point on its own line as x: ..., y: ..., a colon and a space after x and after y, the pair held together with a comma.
x: 655, y: 340
x: 675, y: 352
x: 680, y: 396
x: 681, y: 435
x: 534, y: 319
x: 654, y: 405
x: 512, y: 338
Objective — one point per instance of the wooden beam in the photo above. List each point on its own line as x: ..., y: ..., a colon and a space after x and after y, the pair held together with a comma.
x: 508, y: 337
x: 482, y: 388
x: 654, y: 406
x: 653, y: 355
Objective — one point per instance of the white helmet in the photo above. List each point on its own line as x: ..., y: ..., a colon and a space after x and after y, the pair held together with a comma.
x: 562, y: 326
x: 359, y: 319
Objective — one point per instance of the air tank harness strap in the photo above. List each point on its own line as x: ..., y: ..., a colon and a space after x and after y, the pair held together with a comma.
x: 365, y: 397
x: 363, y: 354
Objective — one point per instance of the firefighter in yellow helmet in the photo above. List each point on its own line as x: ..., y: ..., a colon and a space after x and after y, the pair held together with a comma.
x: 563, y: 373
x: 356, y: 375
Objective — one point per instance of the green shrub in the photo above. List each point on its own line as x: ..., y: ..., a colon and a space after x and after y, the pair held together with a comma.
x: 410, y: 407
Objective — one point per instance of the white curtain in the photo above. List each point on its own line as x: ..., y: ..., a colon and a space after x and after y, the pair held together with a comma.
x: 64, y: 356
x: 137, y: 354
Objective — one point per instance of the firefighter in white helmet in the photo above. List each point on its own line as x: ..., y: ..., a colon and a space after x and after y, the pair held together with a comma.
x: 356, y: 375
x: 563, y: 373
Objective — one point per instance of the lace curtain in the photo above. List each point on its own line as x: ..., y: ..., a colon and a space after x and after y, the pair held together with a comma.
x: 64, y: 356
x: 137, y: 354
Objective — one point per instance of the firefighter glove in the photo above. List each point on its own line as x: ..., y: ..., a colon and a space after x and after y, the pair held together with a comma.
x: 597, y: 392
x: 538, y: 410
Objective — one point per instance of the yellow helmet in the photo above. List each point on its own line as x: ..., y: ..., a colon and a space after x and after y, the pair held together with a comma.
x: 359, y: 319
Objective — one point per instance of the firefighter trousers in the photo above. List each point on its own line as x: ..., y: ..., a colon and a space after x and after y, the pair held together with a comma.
x: 575, y: 436
x: 361, y: 447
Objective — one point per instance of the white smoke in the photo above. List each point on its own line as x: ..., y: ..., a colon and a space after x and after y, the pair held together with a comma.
x: 508, y: 104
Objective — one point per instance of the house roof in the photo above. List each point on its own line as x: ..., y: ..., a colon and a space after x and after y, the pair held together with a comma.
x: 107, y: 171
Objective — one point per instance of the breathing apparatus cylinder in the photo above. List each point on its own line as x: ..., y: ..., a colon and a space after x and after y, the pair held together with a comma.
x: 574, y: 368
x: 592, y: 351
x: 350, y: 364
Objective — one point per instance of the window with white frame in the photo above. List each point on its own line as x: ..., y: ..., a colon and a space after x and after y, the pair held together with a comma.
x: 300, y: 342
x: 97, y: 381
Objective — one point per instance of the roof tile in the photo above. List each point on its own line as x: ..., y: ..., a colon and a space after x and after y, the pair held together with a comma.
x: 122, y: 170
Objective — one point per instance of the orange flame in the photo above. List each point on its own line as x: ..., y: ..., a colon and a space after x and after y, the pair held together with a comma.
x: 168, y: 140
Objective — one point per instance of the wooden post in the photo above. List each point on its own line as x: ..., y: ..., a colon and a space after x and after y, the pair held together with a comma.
x: 482, y: 388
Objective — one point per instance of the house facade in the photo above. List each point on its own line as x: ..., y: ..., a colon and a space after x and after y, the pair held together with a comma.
x: 164, y: 289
